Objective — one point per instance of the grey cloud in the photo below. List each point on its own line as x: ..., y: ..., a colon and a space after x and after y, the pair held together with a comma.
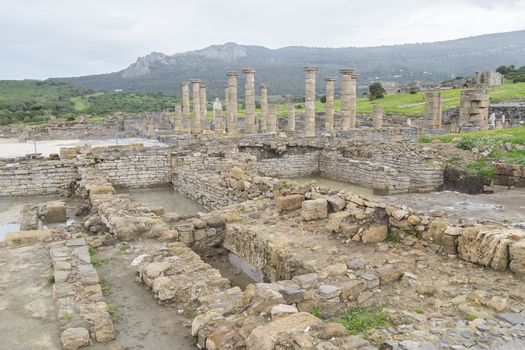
x: 43, y: 38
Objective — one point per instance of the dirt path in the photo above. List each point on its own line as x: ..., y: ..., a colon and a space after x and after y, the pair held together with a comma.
x: 144, y: 324
x: 28, y: 316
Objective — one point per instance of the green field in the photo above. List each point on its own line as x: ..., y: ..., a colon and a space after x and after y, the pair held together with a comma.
x: 494, y: 142
x: 32, y: 101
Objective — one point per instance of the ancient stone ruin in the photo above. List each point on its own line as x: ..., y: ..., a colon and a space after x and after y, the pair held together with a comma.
x: 306, y: 256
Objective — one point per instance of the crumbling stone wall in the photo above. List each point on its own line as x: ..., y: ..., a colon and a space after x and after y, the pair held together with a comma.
x: 510, y: 175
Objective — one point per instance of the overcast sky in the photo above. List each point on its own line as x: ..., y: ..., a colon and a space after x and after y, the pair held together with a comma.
x: 50, y: 38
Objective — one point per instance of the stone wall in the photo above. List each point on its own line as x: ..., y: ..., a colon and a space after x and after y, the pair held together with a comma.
x: 510, y: 175
x: 36, y: 177
x: 134, y: 167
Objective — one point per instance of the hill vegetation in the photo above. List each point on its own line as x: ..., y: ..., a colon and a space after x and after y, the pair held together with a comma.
x: 33, y: 102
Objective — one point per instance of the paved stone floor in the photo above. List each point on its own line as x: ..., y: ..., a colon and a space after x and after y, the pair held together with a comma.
x: 27, y: 311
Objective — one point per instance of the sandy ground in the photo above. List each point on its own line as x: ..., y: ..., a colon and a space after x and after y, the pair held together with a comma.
x: 28, y: 317
x: 144, y: 324
x: 13, y: 148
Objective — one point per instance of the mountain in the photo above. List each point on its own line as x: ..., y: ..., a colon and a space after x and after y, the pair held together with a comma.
x: 282, y: 68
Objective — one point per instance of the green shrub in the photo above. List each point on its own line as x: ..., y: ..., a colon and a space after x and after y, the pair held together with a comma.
x: 466, y: 144
x: 361, y: 320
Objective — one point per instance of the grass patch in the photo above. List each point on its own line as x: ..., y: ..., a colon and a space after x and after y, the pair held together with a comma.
x: 51, y: 279
x: 393, y: 237
x: 317, y: 311
x: 419, y: 310
x: 482, y: 168
x: 124, y: 249
x: 67, y: 317
x: 361, y: 320
x: 104, y: 286
x: 95, y: 260
x: 114, y: 313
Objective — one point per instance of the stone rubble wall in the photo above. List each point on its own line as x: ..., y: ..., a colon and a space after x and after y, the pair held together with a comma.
x: 509, y: 175
x: 359, y: 219
x: 36, y: 177
x: 261, y: 317
x: 81, y: 308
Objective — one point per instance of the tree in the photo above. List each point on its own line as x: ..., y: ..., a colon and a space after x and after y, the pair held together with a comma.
x: 376, y: 91
x: 323, y: 99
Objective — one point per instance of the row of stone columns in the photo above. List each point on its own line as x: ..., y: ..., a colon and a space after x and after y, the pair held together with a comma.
x: 268, y: 120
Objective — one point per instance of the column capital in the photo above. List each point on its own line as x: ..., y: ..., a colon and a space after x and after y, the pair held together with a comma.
x: 203, y: 86
x: 347, y: 71
x: 330, y: 79
x: 232, y: 74
x: 263, y: 86
x: 310, y: 69
x: 195, y: 81
x: 248, y: 71
x: 185, y: 83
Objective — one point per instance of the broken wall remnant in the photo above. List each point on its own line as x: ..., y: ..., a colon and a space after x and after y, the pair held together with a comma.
x: 474, y: 110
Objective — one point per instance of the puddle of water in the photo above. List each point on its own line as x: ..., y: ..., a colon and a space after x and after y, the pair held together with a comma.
x: 12, y: 148
x: 336, y: 185
x: 8, y: 228
x: 167, y: 198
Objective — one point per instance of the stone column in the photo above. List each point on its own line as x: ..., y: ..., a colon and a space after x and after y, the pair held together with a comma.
x: 186, y: 106
x: 377, y: 117
x: 434, y: 109
x: 226, y: 107
x: 309, y: 101
x: 498, y: 125
x: 218, y: 120
x: 272, y: 118
x: 348, y: 98
x: 195, y: 85
x: 205, y: 125
x: 232, y: 103
x: 291, y: 117
x: 474, y: 109
x: 249, y: 100
x: 179, y: 127
x: 264, y: 107
x: 329, y: 118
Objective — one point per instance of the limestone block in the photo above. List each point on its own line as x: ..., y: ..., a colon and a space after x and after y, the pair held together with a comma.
x: 74, y: 338
x: 101, y: 189
x: 56, y: 212
x: 351, y: 290
x: 375, y: 234
x: 327, y: 291
x: 314, y: 209
x: 282, y: 309
x: 335, y: 220
x: 237, y: 173
x: 388, y: 274
x: 290, y: 202
x: 487, y: 248
x: 517, y: 257
x: 306, y: 281
x: 267, y: 336
x: 336, y: 203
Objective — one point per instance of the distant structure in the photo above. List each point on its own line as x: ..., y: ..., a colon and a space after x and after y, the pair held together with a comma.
x: 488, y: 78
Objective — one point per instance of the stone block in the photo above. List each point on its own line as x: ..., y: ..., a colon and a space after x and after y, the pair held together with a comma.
x: 370, y: 280
x: 56, y: 212
x: 237, y: 173
x: 306, y: 281
x: 74, y: 338
x: 388, y: 275
x: 290, y: 202
x: 101, y: 190
x: 327, y: 291
x: 283, y: 309
x: 375, y: 234
x: 517, y: 257
x: 351, y: 290
x: 314, y: 209
x: 336, y: 203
